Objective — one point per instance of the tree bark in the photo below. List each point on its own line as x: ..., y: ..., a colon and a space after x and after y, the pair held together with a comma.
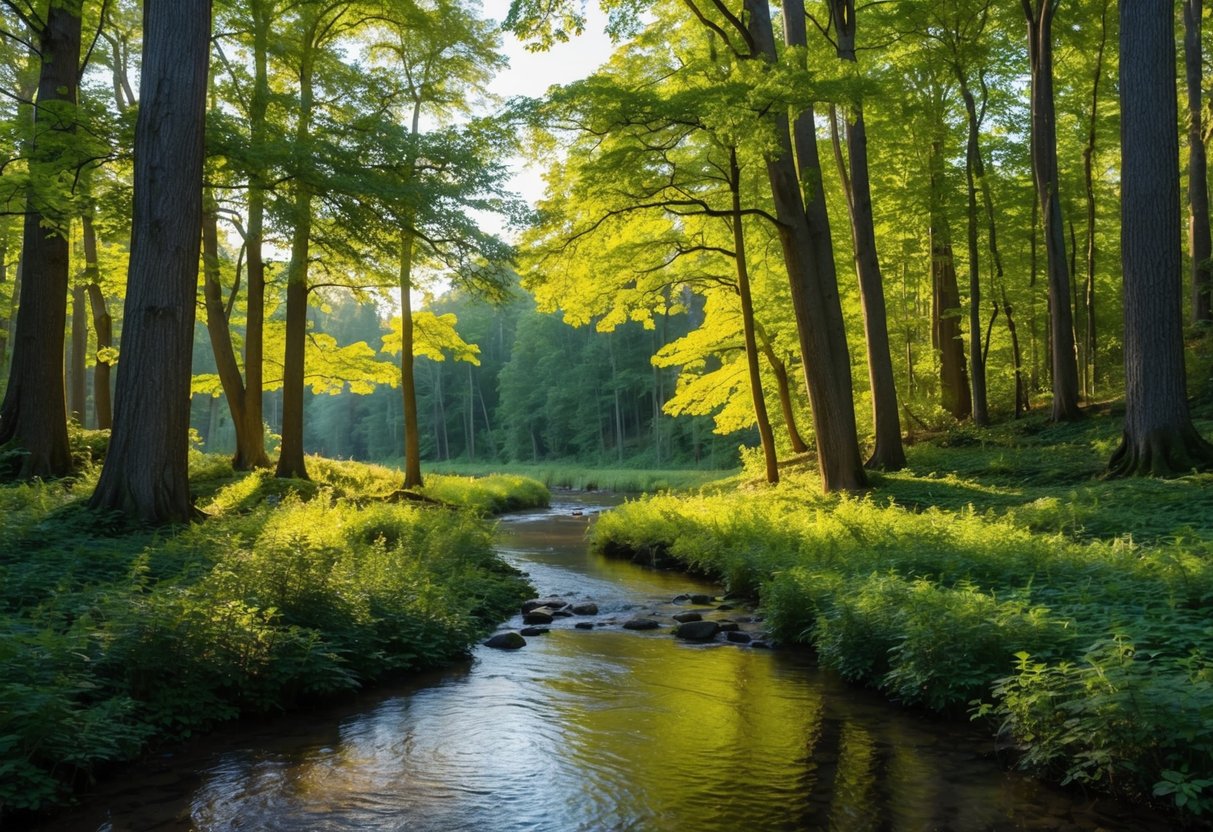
x: 1159, y: 438
x: 34, y: 412
x: 974, y: 170
x: 809, y: 257
x: 1200, y: 244
x: 747, y: 325
x: 1044, y: 167
x: 77, y: 388
x: 146, y: 475
x: 408, y: 381
x: 780, y: 368
x: 946, y: 336
x: 1088, y: 155
x: 217, y: 324
x: 290, y: 458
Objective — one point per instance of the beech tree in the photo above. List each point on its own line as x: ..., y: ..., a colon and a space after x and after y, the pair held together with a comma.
x: 1159, y: 437
x: 145, y: 474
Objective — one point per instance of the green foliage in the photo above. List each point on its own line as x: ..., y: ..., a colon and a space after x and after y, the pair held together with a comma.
x: 286, y: 594
x: 1073, y: 610
x: 635, y: 481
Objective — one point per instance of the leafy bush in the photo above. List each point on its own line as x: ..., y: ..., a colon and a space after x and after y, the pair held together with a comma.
x: 112, y: 640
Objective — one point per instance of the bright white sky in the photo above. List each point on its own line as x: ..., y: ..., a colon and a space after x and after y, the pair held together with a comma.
x: 531, y: 73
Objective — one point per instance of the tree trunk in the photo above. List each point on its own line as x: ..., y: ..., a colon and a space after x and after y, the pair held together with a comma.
x: 780, y: 368
x: 808, y: 255
x: 217, y: 324
x: 1200, y: 245
x: 77, y: 388
x: 145, y: 473
x: 1088, y: 154
x: 747, y: 325
x: 1159, y: 438
x: 290, y: 457
x: 34, y: 413
x: 6, y: 314
x: 973, y: 171
x: 887, y: 453
x: 1044, y: 167
x: 1021, y: 391
x: 103, y: 327
x: 946, y: 336
x: 408, y: 381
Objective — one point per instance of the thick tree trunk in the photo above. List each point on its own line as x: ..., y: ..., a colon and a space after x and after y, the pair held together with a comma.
x: 34, y: 412
x: 408, y: 381
x: 1200, y: 244
x: 145, y: 473
x: 1159, y: 438
x: 1044, y: 167
x: 809, y: 257
x: 747, y: 326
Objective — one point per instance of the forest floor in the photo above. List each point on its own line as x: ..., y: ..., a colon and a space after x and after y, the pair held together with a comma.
x: 289, y: 592
x: 998, y: 577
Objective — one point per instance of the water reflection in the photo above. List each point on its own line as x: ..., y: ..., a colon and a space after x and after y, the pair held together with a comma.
x: 599, y: 730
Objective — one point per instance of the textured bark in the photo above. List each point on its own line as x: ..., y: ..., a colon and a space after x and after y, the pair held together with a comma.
x: 1044, y: 168
x: 145, y: 475
x: 1200, y: 244
x: 809, y: 257
x: 780, y: 369
x: 408, y: 381
x: 5, y: 314
x: 1159, y: 438
x: 34, y: 412
x: 747, y: 325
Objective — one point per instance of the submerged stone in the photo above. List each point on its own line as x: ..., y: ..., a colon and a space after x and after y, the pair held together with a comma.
x: 641, y: 624
x: 698, y: 630
x: 506, y: 641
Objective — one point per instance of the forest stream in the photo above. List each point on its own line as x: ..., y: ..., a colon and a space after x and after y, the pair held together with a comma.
x: 596, y: 729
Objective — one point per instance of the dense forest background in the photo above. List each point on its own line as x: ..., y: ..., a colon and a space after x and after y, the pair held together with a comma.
x: 710, y: 190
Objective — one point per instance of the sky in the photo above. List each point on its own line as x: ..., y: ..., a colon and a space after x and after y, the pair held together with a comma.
x: 531, y: 73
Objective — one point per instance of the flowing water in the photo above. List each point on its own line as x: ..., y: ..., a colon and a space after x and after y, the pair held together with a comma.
x: 600, y: 729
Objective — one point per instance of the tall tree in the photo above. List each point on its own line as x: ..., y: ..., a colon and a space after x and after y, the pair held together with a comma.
x: 145, y: 475
x: 1159, y: 437
x: 33, y: 414
x: 1039, y: 15
x: 887, y: 451
x: 1200, y: 243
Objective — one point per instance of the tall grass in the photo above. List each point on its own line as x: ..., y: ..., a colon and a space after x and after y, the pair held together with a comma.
x: 997, y: 576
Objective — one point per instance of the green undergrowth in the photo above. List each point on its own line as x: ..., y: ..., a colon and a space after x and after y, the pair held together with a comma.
x: 113, y: 640
x: 1009, y: 583
x: 583, y: 478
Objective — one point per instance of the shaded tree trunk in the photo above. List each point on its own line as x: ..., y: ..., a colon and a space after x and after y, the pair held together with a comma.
x: 1088, y: 154
x: 974, y: 171
x: 77, y: 388
x: 780, y: 369
x: 747, y: 325
x: 1021, y: 391
x: 217, y: 323
x: 145, y: 474
x: 103, y: 327
x: 1200, y: 244
x: 1044, y: 167
x: 34, y: 413
x: 809, y: 257
x: 1159, y: 438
